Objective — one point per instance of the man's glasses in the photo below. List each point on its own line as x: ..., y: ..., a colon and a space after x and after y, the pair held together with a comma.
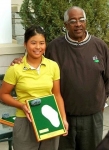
x: 74, y: 21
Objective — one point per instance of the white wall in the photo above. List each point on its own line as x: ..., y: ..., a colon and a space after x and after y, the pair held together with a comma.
x: 6, y: 22
x: 16, y: 2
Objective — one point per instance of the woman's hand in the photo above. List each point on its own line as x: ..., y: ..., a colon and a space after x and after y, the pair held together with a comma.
x: 66, y: 127
x: 26, y: 111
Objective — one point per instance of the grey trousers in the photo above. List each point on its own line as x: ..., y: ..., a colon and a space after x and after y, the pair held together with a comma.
x: 85, y: 132
x: 25, y: 139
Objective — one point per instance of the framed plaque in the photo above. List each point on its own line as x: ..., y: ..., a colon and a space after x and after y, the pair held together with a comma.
x: 46, y: 118
x: 9, y: 121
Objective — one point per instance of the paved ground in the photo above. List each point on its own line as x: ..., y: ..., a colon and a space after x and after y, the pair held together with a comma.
x: 4, y: 145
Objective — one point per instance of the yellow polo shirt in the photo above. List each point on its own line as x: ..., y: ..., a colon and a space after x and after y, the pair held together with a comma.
x: 30, y: 83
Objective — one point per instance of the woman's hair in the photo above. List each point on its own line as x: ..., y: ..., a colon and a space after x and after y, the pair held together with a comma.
x: 32, y: 31
x: 66, y: 14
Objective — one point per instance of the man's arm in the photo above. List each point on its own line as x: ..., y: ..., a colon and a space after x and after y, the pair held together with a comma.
x: 106, y: 74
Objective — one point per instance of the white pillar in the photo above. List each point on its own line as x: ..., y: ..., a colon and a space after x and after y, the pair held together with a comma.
x: 5, y: 22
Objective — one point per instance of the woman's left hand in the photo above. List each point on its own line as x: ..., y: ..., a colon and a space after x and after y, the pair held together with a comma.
x: 66, y: 127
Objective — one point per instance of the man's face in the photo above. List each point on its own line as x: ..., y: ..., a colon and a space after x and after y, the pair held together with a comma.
x: 76, y: 25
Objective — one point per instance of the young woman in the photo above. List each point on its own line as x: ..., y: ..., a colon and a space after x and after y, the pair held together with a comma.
x: 35, y: 77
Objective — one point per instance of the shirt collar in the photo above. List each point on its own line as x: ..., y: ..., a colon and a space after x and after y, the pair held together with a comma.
x: 27, y: 66
x: 87, y: 38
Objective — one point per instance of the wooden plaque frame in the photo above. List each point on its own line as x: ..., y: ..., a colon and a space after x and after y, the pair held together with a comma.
x: 8, y: 121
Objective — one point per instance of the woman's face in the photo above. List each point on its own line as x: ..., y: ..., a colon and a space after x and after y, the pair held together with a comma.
x: 36, y: 46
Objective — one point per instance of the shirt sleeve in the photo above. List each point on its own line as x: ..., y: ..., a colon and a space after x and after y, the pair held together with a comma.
x: 106, y: 73
x: 56, y: 72
x: 10, y: 76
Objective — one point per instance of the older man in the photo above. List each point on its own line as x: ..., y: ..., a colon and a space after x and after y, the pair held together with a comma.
x: 84, y: 64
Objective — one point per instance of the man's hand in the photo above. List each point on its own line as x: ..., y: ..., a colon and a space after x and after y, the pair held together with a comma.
x: 16, y: 61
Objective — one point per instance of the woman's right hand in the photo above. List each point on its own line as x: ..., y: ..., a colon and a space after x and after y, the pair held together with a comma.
x: 16, y: 61
x: 26, y: 111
